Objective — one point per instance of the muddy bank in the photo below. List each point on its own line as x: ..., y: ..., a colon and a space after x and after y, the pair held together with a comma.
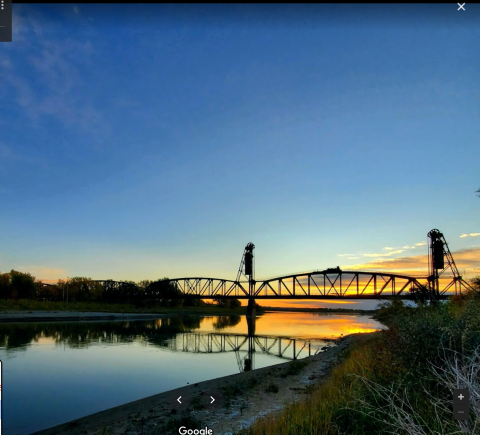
x: 241, y: 399
x: 54, y: 316
x: 91, y: 316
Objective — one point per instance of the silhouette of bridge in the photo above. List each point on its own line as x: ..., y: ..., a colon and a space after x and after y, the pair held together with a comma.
x: 325, y: 284
x: 443, y: 280
x: 246, y: 346
x: 332, y: 283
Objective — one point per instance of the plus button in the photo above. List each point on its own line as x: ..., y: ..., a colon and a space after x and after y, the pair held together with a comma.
x: 461, y: 396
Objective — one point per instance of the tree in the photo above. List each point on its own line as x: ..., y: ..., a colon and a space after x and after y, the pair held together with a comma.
x: 22, y: 285
x: 476, y: 283
x: 164, y: 292
x: 192, y: 302
x: 5, y: 288
x: 83, y: 289
x: 235, y: 303
x: 227, y: 303
x: 422, y: 294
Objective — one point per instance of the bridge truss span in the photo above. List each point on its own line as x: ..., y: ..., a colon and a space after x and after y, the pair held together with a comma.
x: 325, y: 284
x: 336, y: 283
x: 211, y: 287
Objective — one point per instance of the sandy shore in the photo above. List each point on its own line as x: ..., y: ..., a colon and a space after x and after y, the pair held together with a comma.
x: 250, y: 400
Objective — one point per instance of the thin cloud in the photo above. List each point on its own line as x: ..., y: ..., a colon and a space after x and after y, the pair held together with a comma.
x: 44, y: 274
x: 469, y: 235
x: 465, y: 259
x: 57, y: 67
x: 388, y: 254
x: 391, y: 251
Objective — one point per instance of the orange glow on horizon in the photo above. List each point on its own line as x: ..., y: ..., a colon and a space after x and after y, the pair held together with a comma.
x: 299, y: 325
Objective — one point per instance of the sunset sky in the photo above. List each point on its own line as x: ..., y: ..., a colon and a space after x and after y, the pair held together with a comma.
x: 148, y: 141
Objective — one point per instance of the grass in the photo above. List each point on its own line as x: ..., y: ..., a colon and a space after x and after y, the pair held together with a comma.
x: 400, y: 380
x: 34, y: 305
x: 317, y: 414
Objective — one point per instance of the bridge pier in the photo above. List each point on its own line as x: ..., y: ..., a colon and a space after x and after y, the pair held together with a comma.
x: 251, y: 314
x: 251, y: 321
x: 251, y: 308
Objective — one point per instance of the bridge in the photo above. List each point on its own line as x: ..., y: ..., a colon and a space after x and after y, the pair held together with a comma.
x: 442, y: 281
x: 246, y: 346
x: 324, y: 284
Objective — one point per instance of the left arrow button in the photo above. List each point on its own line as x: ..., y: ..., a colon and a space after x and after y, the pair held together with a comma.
x: 179, y: 400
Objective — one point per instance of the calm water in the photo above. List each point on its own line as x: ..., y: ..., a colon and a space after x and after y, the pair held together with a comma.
x: 56, y: 372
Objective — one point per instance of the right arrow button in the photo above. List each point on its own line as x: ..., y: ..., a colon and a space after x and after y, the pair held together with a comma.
x: 212, y: 399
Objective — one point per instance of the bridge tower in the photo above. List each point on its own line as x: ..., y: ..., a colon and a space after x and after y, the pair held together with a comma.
x: 247, y: 268
x: 437, y: 254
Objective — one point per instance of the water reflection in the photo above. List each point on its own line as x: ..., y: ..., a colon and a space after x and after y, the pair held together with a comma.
x: 65, y: 370
x: 283, y: 335
x: 177, y: 334
x: 78, y: 335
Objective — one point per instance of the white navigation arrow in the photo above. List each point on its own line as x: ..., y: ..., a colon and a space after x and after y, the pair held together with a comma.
x: 178, y: 400
x: 213, y: 400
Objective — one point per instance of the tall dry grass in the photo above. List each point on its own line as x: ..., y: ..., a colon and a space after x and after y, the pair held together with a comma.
x: 398, y: 381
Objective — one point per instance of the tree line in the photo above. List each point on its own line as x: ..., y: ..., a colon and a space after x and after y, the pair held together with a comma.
x: 19, y: 285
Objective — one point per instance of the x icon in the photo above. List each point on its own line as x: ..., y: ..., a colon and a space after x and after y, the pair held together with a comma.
x: 461, y: 6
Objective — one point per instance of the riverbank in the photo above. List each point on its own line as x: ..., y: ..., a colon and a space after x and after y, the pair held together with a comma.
x: 32, y: 306
x: 246, y: 397
x: 74, y: 316
x: 38, y: 311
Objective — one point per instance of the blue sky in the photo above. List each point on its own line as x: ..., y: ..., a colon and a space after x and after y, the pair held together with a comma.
x: 143, y: 141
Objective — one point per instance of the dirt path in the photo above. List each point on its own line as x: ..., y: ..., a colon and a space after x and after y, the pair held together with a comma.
x: 246, y: 397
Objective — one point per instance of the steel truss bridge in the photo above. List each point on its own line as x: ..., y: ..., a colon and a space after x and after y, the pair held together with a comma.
x: 333, y: 283
x: 325, y: 284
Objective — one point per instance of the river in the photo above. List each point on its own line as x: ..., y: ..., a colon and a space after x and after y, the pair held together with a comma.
x: 54, y: 372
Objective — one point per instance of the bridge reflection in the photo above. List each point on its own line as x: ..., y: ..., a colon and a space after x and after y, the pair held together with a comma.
x: 175, y: 334
x: 245, y: 346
